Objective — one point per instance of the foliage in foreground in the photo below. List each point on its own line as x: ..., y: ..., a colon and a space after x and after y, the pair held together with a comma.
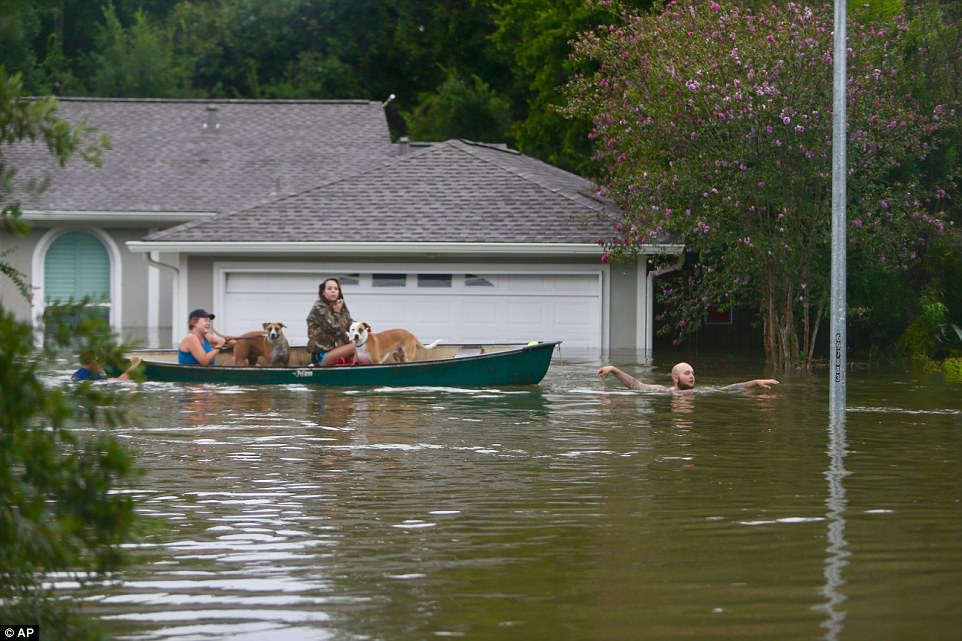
x: 60, y: 513
x: 715, y: 127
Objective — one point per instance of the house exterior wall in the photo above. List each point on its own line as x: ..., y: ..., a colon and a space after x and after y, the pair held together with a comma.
x: 20, y: 257
x: 129, y: 273
x: 196, y: 291
x: 623, y: 303
x: 134, y: 290
x: 160, y: 291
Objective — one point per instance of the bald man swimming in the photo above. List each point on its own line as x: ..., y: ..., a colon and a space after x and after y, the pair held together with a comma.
x: 682, y: 379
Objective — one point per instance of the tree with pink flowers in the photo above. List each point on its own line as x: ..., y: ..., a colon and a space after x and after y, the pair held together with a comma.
x: 714, y: 124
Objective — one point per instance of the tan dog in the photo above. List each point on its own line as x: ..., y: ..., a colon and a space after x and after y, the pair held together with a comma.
x: 391, y: 345
x: 267, y: 347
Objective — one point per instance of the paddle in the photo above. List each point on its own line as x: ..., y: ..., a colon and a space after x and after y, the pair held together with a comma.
x: 135, y: 362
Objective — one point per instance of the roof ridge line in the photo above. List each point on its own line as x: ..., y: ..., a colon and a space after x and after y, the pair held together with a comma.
x: 236, y: 101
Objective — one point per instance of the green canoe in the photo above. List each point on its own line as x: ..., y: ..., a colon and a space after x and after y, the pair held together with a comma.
x: 454, y: 366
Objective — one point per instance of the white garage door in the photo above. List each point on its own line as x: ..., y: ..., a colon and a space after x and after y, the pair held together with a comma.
x: 457, y: 308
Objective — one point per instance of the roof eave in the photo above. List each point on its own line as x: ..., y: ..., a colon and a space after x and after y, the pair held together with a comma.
x: 89, y: 216
x: 369, y: 249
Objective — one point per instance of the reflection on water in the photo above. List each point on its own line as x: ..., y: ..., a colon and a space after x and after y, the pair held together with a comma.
x: 837, y: 549
x: 570, y: 510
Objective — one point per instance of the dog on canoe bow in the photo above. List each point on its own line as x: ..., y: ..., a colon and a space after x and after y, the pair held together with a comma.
x: 266, y: 347
x: 389, y: 346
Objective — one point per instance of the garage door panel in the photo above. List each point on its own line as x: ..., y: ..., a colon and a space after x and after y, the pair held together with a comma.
x: 386, y: 312
x: 242, y: 314
x: 521, y: 284
x: 478, y: 313
x: 433, y: 309
x: 281, y: 283
x: 582, y: 288
x: 377, y: 311
x: 572, y: 314
x: 526, y: 314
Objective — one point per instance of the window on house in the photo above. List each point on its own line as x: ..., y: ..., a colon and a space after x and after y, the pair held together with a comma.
x: 349, y: 279
x: 472, y: 280
x: 434, y: 280
x: 389, y: 280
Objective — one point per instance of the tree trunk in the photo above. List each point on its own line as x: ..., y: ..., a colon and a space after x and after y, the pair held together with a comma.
x: 810, y: 354
x: 806, y: 339
x: 768, y: 316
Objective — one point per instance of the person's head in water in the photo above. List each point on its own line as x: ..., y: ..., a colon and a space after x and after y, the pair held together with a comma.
x: 683, y: 376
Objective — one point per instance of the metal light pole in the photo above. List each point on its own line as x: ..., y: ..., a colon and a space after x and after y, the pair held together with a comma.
x: 836, y: 395
x: 837, y: 551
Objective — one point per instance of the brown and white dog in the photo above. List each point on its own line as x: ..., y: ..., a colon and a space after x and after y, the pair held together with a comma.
x: 391, y: 345
x: 267, y: 347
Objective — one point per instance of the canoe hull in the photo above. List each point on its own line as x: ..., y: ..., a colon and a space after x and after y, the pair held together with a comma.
x: 520, y: 365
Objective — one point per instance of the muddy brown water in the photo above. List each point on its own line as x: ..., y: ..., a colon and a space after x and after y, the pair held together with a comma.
x: 571, y: 510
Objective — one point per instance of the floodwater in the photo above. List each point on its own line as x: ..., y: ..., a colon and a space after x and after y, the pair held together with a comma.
x: 572, y: 510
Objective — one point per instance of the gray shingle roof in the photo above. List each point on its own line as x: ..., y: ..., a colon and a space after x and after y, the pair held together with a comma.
x: 453, y: 191
x: 164, y: 159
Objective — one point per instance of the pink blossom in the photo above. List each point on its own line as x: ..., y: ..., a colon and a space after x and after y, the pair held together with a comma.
x: 715, y: 7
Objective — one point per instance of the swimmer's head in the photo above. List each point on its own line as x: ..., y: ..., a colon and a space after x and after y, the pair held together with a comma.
x: 683, y: 376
